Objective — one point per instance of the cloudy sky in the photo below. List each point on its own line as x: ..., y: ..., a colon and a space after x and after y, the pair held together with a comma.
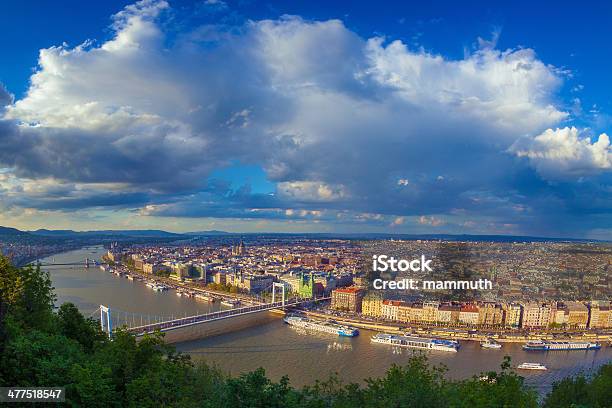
x: 294, y: 116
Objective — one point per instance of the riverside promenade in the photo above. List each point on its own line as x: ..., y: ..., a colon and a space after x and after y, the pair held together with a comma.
x: 468, y: 334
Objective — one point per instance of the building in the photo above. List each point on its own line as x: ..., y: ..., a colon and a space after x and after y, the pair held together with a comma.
x: 409, y: 313
x: 537, y: 315
x: 390, y: 309
x: 600, y: 315
x: 490, y: 314
x: 347, y: 299
x: 153, y: 268
x: 307, y: 287
x: 371, y: 304
x: 559, y: 315
x: 577, y: 315
x: 430, y: 312
x: 512, y: 314
x: 239, y: 249
x: 449, y: 314
x: 220, y: 278
x: 199, y: 271
x: 249, y: 283
x: 114, y: 256
x: 469, y: 314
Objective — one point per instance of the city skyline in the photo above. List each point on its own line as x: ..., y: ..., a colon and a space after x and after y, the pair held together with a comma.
x: 245, y: 117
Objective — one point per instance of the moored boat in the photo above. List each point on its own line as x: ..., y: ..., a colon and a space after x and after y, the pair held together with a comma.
x: 200, y: 296
x: 543, y: 345
x: 490, y: 344
x: 230, y: 302
x: 416, y: 342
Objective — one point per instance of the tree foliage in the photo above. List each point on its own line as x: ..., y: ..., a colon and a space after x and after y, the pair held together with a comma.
x: 40, y: 347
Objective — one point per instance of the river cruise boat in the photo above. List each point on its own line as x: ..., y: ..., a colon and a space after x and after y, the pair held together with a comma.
x: 541, y: 345
x: 532, y: 366
x: 322, y: 326
x: 490, y: 344
x: 423, y: 343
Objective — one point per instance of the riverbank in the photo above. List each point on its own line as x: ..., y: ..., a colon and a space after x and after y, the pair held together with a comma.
x: 213, y: 295
x: 458, y: 334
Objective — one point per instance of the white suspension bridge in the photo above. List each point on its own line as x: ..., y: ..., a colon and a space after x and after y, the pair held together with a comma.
x: 140, y: 324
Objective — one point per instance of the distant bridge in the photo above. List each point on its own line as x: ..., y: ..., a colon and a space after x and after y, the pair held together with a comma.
x: 85, y: 263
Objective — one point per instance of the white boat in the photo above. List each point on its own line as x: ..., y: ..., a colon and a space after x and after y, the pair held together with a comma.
x: 200, y: 296
x: 322, y: 326
x: 160, y: 288
x: 230, y: 302
x: 532, y: 366
x: 416, y: 342
x: 490, y: 344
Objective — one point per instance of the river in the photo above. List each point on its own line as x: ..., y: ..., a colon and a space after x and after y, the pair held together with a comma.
x: 284, y: 350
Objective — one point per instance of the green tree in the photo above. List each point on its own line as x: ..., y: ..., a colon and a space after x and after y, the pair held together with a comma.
x: 255, y: 390
x: 73, y: 325
x: 578, y: 392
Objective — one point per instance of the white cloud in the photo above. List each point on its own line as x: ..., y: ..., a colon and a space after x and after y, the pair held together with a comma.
x: 336, y: 120
x: 398, y: 221
x: 562, y: 153
x: 310, y: 191
x: 433, y: 221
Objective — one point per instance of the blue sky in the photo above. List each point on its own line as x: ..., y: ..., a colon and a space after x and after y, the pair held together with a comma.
x: 429, y: 117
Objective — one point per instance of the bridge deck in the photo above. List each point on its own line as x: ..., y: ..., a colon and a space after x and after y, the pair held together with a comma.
x: 224, y: 314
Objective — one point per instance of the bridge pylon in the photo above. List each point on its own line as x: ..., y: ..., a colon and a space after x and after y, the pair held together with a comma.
x: 278, y: 285
x: 106, y: 323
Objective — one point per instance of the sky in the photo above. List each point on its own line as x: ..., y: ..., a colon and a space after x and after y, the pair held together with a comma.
x: 306, y: 116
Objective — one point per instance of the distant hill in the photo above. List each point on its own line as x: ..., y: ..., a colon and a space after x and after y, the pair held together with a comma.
x: 106, y: 233
x: 53, y: 233
x: 211, y: 232
x: 6, y: 231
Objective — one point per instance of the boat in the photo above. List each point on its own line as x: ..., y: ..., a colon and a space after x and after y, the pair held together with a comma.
x: 230, y: 302
x: 160, y: 288
x: 542, y: 345
x: 532, y: 366
x: 200, y: 296
x: 322, y: 326
x: 490, y: 344
x: 416, y: 342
